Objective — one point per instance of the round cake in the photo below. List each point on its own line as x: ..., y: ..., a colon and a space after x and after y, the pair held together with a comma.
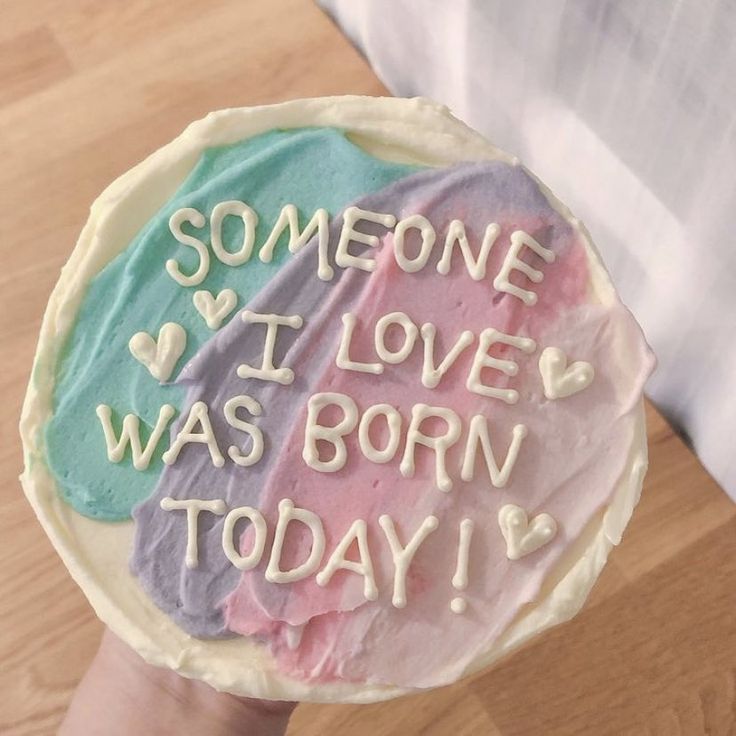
x: 334, y: 401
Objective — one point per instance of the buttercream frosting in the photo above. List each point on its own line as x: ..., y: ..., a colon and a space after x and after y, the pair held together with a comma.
x: 445, y: 328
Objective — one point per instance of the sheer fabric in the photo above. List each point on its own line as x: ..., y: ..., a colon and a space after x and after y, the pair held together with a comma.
x: 627, y: 110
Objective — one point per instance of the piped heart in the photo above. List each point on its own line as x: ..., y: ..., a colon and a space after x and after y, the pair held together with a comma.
x: 160, y: 355
x: 522, y: 535
x: 559, y: 378
x: 214, y: 309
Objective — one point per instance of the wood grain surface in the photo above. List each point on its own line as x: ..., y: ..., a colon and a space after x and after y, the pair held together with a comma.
x: 90, y: 87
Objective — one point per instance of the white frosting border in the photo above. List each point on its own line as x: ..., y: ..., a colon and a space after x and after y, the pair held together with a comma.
x: 402, y: 130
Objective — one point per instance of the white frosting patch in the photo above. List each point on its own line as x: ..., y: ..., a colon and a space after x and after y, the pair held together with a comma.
x: 559, y: 378
x: 198, y: 415
x: 193, y: 507
x: 483, y: 360
x: 267, y: 371
x: 131, y: 435
x: 343, y: 359
x: 214, y: 309
x: 460, y: 578
x: 197, y: 220
x: 256, y: 451
x: 403, y: 556
x: 393, y: 422
x: 239, y: 209
x: 333, y: 434
x: 458, y: 605
x: 351, y: 217
x: 440, y: 443
x: 456, y: 235
x: 427, y: 235
x: 358, y: 533
x: 478, y: 434
x: 288, y: 513
x: 289, y: 217
x: 159, y: 355
x: 411, y: 331
x: 293, y: 635
x: 432, y: 373
x: 249, y: 561
x: 524, y: 536
x: 513, y: 262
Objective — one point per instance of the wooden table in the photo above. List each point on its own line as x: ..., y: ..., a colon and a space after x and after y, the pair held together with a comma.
x: 87, y: 89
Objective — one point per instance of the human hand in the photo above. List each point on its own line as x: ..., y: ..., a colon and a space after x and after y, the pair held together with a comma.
x: 122, y: 695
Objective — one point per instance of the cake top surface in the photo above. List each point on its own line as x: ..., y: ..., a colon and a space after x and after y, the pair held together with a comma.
x: 334, y: 379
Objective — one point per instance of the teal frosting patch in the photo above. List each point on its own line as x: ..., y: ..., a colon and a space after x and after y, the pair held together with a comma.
x: 310, y: 168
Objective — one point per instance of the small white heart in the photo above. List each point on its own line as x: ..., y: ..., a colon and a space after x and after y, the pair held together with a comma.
x: 523, y: 536
x: 214, y: 309
x: 160, y: 355
x: 559, y: 378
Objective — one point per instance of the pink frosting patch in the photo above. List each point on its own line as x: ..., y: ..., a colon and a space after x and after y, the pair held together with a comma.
x: 568, y: 466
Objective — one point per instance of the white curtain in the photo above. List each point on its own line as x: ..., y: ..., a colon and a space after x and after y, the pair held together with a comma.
x: 627, y: 110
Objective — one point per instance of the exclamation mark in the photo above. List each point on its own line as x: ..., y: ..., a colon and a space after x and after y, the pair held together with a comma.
x: 460, y: 578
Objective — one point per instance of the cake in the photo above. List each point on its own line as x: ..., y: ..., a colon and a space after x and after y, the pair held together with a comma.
x: 334, y: 401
